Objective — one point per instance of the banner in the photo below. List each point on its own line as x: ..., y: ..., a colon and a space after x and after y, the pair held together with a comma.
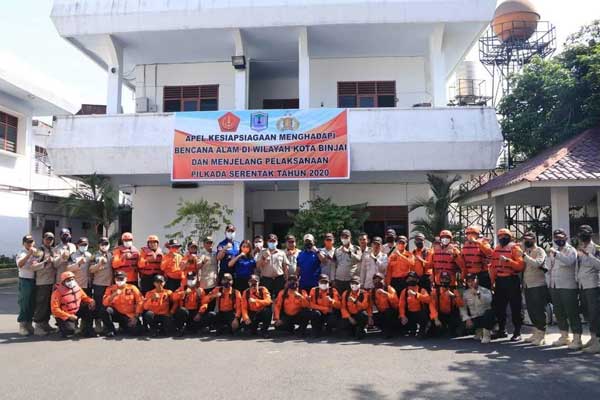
x: 260, y: 145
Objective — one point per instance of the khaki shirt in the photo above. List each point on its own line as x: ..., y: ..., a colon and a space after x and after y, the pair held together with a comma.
x: 348, y: 262
x: 292, y: 256
x: 81, y: 271
x: 46, y: 273
x: 562, y: 268
x: 209, y: 268
x: 272, y: 265
x: 61, y: 262
x: 329, y: 263
x: 588, y: 267
x: 534, y: 274
x: 370, y: 265
x: 102, y: 274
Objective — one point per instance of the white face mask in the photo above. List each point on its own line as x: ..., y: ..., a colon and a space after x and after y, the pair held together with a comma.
x: 230, y: 235
x: 104, y: 248
x: 445, y: 241
x: 345, y: 242
x: 354, y: 287
x: 128, y: 243
x: 259, y: 244
x: 272, y: 245
x: 191, y: 283
x: 71, y: 284
x: 83, y: 249
x: 120, y: 283
x: 323, y: 286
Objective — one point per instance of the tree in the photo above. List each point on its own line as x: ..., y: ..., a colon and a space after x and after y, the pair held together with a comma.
x: 320, y: 216
x: 553, y: 100
x: 198, y: 219
x: 95, y: 200
x: 437, y: 207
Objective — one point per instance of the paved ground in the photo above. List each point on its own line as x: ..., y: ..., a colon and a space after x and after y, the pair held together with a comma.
x: 222, y: 368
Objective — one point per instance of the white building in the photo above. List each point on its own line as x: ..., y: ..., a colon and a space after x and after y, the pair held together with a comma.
x: 393, y: 58
x: 26, y: 183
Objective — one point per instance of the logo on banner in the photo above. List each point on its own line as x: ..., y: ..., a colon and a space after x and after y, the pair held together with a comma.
x: 288, y: 123
x: 229, y: 122
x: 259, y: 121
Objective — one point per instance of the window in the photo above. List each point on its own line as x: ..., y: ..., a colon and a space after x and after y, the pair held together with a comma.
x: 8, y: 132
x: 42, y: 164
x: 191, y: 98
x: 367, y: 94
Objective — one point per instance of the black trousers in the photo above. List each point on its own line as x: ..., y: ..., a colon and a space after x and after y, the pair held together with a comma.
x: 262, y: 318
x: 418, y: 319
x: 172, y: 284
x: 158, y: 323
x: 222, y: 321
x: 358, y: 330
x: 146, y: 283
x: 330, y: 321
x: 484, y: 279
x: 110, y: 316
x: 240, y: 283
x: 387, y: 320
x: 67, y: 327
x: 289, y: 322
x: 274, y: 285
x: 486, y: 321
x: 41, y: 313
x: 451, y: 324
x: 184, y: 318
x: 508, y: 291
x: 425, y: 283
x: 212, y: 304
x: 399, y: 284
x: 98, y: 295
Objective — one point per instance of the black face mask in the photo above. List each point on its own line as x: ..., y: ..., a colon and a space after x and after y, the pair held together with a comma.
x: 65, y: 239
x: 226, y: 284
x: 419, y: 245
x: 504, y: 241
x: 585, y: 237
x: 528, y: 244
x: 560, y: 243
x: 378, y: 284
x: 389, y: 239
x: 292, y: 285
x: 411, y: 282
x: 308, y: 245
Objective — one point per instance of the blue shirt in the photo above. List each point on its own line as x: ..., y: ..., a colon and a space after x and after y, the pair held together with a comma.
x: 309, y: 269
x: 229, y: 254
x: 244, y: 267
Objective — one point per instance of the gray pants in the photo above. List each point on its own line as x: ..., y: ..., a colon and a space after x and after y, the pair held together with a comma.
x: 41, y: 313
x: 537, y: 298
x: 590, y: 298
x: 566, y: 309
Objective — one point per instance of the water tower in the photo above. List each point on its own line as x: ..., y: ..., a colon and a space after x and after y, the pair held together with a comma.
x: 515, y: 36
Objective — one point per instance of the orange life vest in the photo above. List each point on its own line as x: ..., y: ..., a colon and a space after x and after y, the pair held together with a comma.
x: 70, y: 299
x: 152, y: 266
x: 503, y: 270
x: 127, y: 265
x: 474, y: 258
x: 443, y: 260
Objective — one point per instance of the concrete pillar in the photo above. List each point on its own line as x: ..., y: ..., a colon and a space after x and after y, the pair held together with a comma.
x: 499, y: 214
x: 559, y: 202
x: 437, y: 67
x: 115, y: 76
x: 303, y: 69
x: 303, y: 194
x: 239, y: 209
x: 241, y: 75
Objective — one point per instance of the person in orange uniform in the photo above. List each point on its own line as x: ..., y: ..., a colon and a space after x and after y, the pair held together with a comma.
x: 157, y: 308
x: 188, y: 309
x: 191, y: 261
x: 446, y: 308
x: 125, y: 258
x: 228, y: 308
x: 414, y: 306
x: 507, y: 264
x: 171, y: 265
x: 355, y: 303
x: 423, y: 261
x: 475, y: 253
x: 256, y: 307
x: 68, y: 304
x: 383, y: 299
x: 325, y: 305
x: 149, y: 263
x: 446, y: 257
x: 400, y: 263
x: 123, y: 304
x: 292, y: 308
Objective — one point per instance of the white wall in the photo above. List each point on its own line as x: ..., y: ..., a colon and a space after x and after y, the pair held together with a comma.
x: 14, y: 221
x: 281, y: 88
x: 157, y: 76
x: 408, y: 72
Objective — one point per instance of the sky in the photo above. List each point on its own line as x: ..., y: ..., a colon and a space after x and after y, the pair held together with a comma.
x: 29, y: 34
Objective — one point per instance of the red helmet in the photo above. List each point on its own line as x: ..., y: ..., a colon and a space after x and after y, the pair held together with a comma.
x: 66, y: 275
x: 446, y: 233
x: 152, y: 238
x: 126, y: 236
x: 472, y: 229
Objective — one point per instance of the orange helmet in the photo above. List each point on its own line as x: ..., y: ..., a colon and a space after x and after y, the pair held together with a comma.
x: 472, y: 229
x: 126, y: 236
x: 66, y: 275
x: 446, y: 233
x: 152, y: 238
x: 504, y: 231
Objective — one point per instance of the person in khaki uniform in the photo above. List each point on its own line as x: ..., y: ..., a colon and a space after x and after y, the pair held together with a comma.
x: 348, y: 258
x: 327, y: 256
x: 63, y: 250
x: 45, y: 277
x: 101, y: 274
x: 273, y: 266
x: 208, y: 269
x: 537, y: 295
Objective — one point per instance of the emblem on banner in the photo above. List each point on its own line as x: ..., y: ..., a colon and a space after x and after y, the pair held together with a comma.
x: 259, y: 121
x: 288, y: 123
x: 229, y: 122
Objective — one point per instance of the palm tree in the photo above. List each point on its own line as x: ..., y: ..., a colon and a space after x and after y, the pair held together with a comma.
x: 436, y: 207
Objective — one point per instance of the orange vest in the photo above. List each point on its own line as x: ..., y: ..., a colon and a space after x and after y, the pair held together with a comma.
x: 503, y: 270
x: 70, y: 299
x: 127, y: 265
x: 443, y: 260
x: 383, y: 302
x: 474, y: 258
x: 149, y: 265
x: 160, y: 306
x: 190, y: 301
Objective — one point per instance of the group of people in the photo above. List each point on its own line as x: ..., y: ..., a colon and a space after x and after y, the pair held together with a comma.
x: 425, y: 289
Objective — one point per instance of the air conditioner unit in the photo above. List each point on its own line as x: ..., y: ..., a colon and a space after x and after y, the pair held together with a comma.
x: 142, y: 104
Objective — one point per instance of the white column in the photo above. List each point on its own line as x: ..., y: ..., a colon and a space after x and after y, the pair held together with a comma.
x: 437, y: 67
x: 240, y: 79
x: 239, y: 209
x: 499, y: 214
x: 303, y: 194
x: 559, y: 202
x: 303, y: 69
x: 115, y: 76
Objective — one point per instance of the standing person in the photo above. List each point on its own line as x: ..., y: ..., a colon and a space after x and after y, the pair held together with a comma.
x: 45, y: 277
x: 149, y: 263
x: 446, y: 257
x: 562, y: 270
x: 476, y: 312
x: 327, y: 256
x: 423, y: 261
x: 189, y: 309
x: 171, y: 265
x: 309, y: 264
x: 64, y: 250
x: 355, y: 306
x: 28, y: 260
x: 414, y: 306
x: 209, y: 268
x: 374, y: 261
x: 273, y: 266
x: 191, y: 261
x: 363, y: 242
x: 537, y: 295
x: 292, y: 308
x: 126, y: 257
x: 123, y: 303
x: 259, y: 245
x: 244, y: 264
x: 228, y: 309
x: 383, y: 299
x: 588, y: 277
x: 390, y: 241
x: 475, y: 253
x: 400, y: 263
x: 80, y: 265
x: 69, y: 303
x: 348, y: 260
x: 256, y: 307
x: 446, y: 304
x: 325, y: 305
x: 101, y: 273
x: 291, y: 252
x: 226, y: 250
x: 157, y: 308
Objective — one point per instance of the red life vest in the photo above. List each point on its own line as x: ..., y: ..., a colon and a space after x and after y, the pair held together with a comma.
x: 152, y: 266
x: 70, y: 299
x: 502, y: 269
x: 443, y: 260
x: 474, y: 258
x: 128, y: 265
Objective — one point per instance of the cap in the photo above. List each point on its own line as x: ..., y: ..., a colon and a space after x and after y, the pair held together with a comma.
x: 27, y: 238
x: 103, y: 240
x: 208, y: 239
x: 378, y: 275
x: 173, y: 243
x: 66, y: 275
x: 83, y: 239
x: 272, y: 236
x: 310, y: 237
x: 529, y: 235
x: 419, y: 235
x: 126, y: 236
x: 192, y: 243
x: 323, y: 277
x: 402, y: 239
x: 292, y: 277
x: 290, y: 238
x: 228, y: 277
x: 377, y: 240
x: 159, y: 278
x: 355, y: 279
x: 152, y: 238
x: 559, y: 233
x: 120, y: 274
x: 329, y: 235
x: 446, y: 233
x: 586, y: 229
x: 253, y: 278
x: 65, y: 231
x: 48, y: 235
x: 190, y: 275
x: 345, y: 232
x: 471, y: 277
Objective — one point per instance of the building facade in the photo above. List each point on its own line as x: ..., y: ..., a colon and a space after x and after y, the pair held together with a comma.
x: 386, y: 62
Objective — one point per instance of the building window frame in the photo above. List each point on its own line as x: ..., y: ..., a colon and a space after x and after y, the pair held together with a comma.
x: 9, y: 122
x: 359, y: 90
x: 179, y: 97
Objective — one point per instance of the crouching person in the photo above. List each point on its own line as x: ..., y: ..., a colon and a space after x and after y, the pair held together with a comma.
x: 446, y: 304
x: 291, y: 308
x: 189, y: 309
x: 157, y: 308
x: 355, y: 303
x: 325, y: 304
x: 123, y: 304
x: 477, y: 312
x: 414, y: 307
x: 69, y: 303
x: 228, y: 307
x: 256, y: 307
x: 384, y: 300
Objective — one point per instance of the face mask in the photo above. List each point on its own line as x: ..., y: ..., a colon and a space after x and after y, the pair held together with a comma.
x: 560, y: 243
x: 419, y: 245
x: 272, y: 245
x: 292, y: 285
x: 191, y: 282
x: 230, y: 235
x: 354, y: 287
x: 120, y: 283
x: 258, y: 245
x: 345, y: 242
x: 308, y: 245
x: 528, y: 244
x: 378, y: 284
x: 71, y: 284
x: 83, y: 249
x: 128, y: 243
x: 411, y: 283
x: 65, y: 239
x: 227, y: 284
x: 323, y: 286
x: 445, y: 241
x: 104, y: 248
x: 504, y: 241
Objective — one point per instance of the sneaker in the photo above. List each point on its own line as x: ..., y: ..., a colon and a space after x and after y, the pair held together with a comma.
x: 563, y: 340
x: 98, y: 325
x: 576, y: 343
x: 48, y: 328
x: 38, y: 330
x: 478, y: 334
x: 590, y: 342
x: 486, y: 336
x: 540, y: 339
x: 499, y: 335
x: 533, y: 337
x: 594, y: 346
x: 109, y: 334
x: 515, y: 337
x: 23, y: 331
x: 29, y: 326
